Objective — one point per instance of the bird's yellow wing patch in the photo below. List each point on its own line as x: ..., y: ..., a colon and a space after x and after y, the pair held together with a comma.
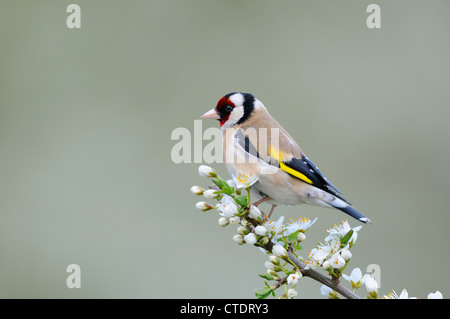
x: 279, y: 155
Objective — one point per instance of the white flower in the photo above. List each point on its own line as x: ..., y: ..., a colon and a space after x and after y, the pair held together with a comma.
x: 227, y: 200
x: 371, y: 285
x: 276, y: 229
x: 436, y: 295
x: 228, y: 206
x: 346, y: 254
x: 336, y: 261
x: 316, y: 257
x: 210, y: 194
x: 235, y: 220
x: 255, y: 213
x: 223, y: 221
x: 238, y: 239
x: 260, y: 230
x: 279, y: 251
x: 292, y: 279
x: 291, y: 293
x: 250, y: 238
x: 197, y: 190
x: 356, y: 278
x: 328, y: 292
x: 203, y: 206
x: 244, y: 181
x: 206, y: 171
x: 230, y: 210
x: 323, y: 250
x: 393, y: 295
x: 319, y: 254
x: 341, y: 229
x: 302, y: 224
x: 404, y: 295
x: 390, y: 296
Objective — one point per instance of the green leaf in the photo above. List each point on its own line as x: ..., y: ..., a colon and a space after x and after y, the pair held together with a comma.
x: 292, y: 237
x: 241, y: 200
x: 266, y: 276
x: 346, y: 238
x: 263, y: 293
x: 227, y: 190
x: 218, y: 183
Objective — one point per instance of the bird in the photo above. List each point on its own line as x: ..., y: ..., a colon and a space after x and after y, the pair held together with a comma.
x: 260, y: 152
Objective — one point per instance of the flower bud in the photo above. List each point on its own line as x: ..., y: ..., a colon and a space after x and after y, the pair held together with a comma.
x: 260, y: 230
x: 268, y: 264
x: 326, y: 265
x: 277, y: 268
x: 242, y: 230
x: 328, y: 292
x: 238, y: 239
x: 371, y: 285
x: 255, y: 213
x: 250, y: 238
x: 197, y: 190
x: 274, y: 260
x: 244, y: 222
x: 263, y: 241
x: 279, y: 251
x: 346, y: 254
x: 301, y: 237
x: 223, y: 221
x: 272, y: 272
x: 203, y: 206
x: 210, y: 194
x: 206, y: 171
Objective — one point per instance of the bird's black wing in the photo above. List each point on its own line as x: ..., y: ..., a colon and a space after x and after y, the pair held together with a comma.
x: 314, y: 176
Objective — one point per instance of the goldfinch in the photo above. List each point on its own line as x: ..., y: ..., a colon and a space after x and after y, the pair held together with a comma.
x: 259, y: 152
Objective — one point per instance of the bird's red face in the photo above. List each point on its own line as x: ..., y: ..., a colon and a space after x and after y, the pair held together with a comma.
x: 233, y: 107
x: 224, y: 108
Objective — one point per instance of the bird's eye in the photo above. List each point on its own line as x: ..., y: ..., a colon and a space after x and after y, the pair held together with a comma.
x: 228, y: 108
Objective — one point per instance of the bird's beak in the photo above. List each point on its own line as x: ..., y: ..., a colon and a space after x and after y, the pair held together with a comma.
x: 211, y: 114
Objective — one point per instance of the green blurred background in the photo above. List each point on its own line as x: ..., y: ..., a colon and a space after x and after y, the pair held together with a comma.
x: 86, y: 116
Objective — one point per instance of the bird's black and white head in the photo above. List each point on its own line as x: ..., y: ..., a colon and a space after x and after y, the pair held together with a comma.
x: 233, y: 109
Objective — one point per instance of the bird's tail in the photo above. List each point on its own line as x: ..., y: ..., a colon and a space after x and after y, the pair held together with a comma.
x: 354, y: 213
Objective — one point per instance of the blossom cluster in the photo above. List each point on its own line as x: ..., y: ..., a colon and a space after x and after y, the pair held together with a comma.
x: 334, y: 253
x: 281, y: 239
